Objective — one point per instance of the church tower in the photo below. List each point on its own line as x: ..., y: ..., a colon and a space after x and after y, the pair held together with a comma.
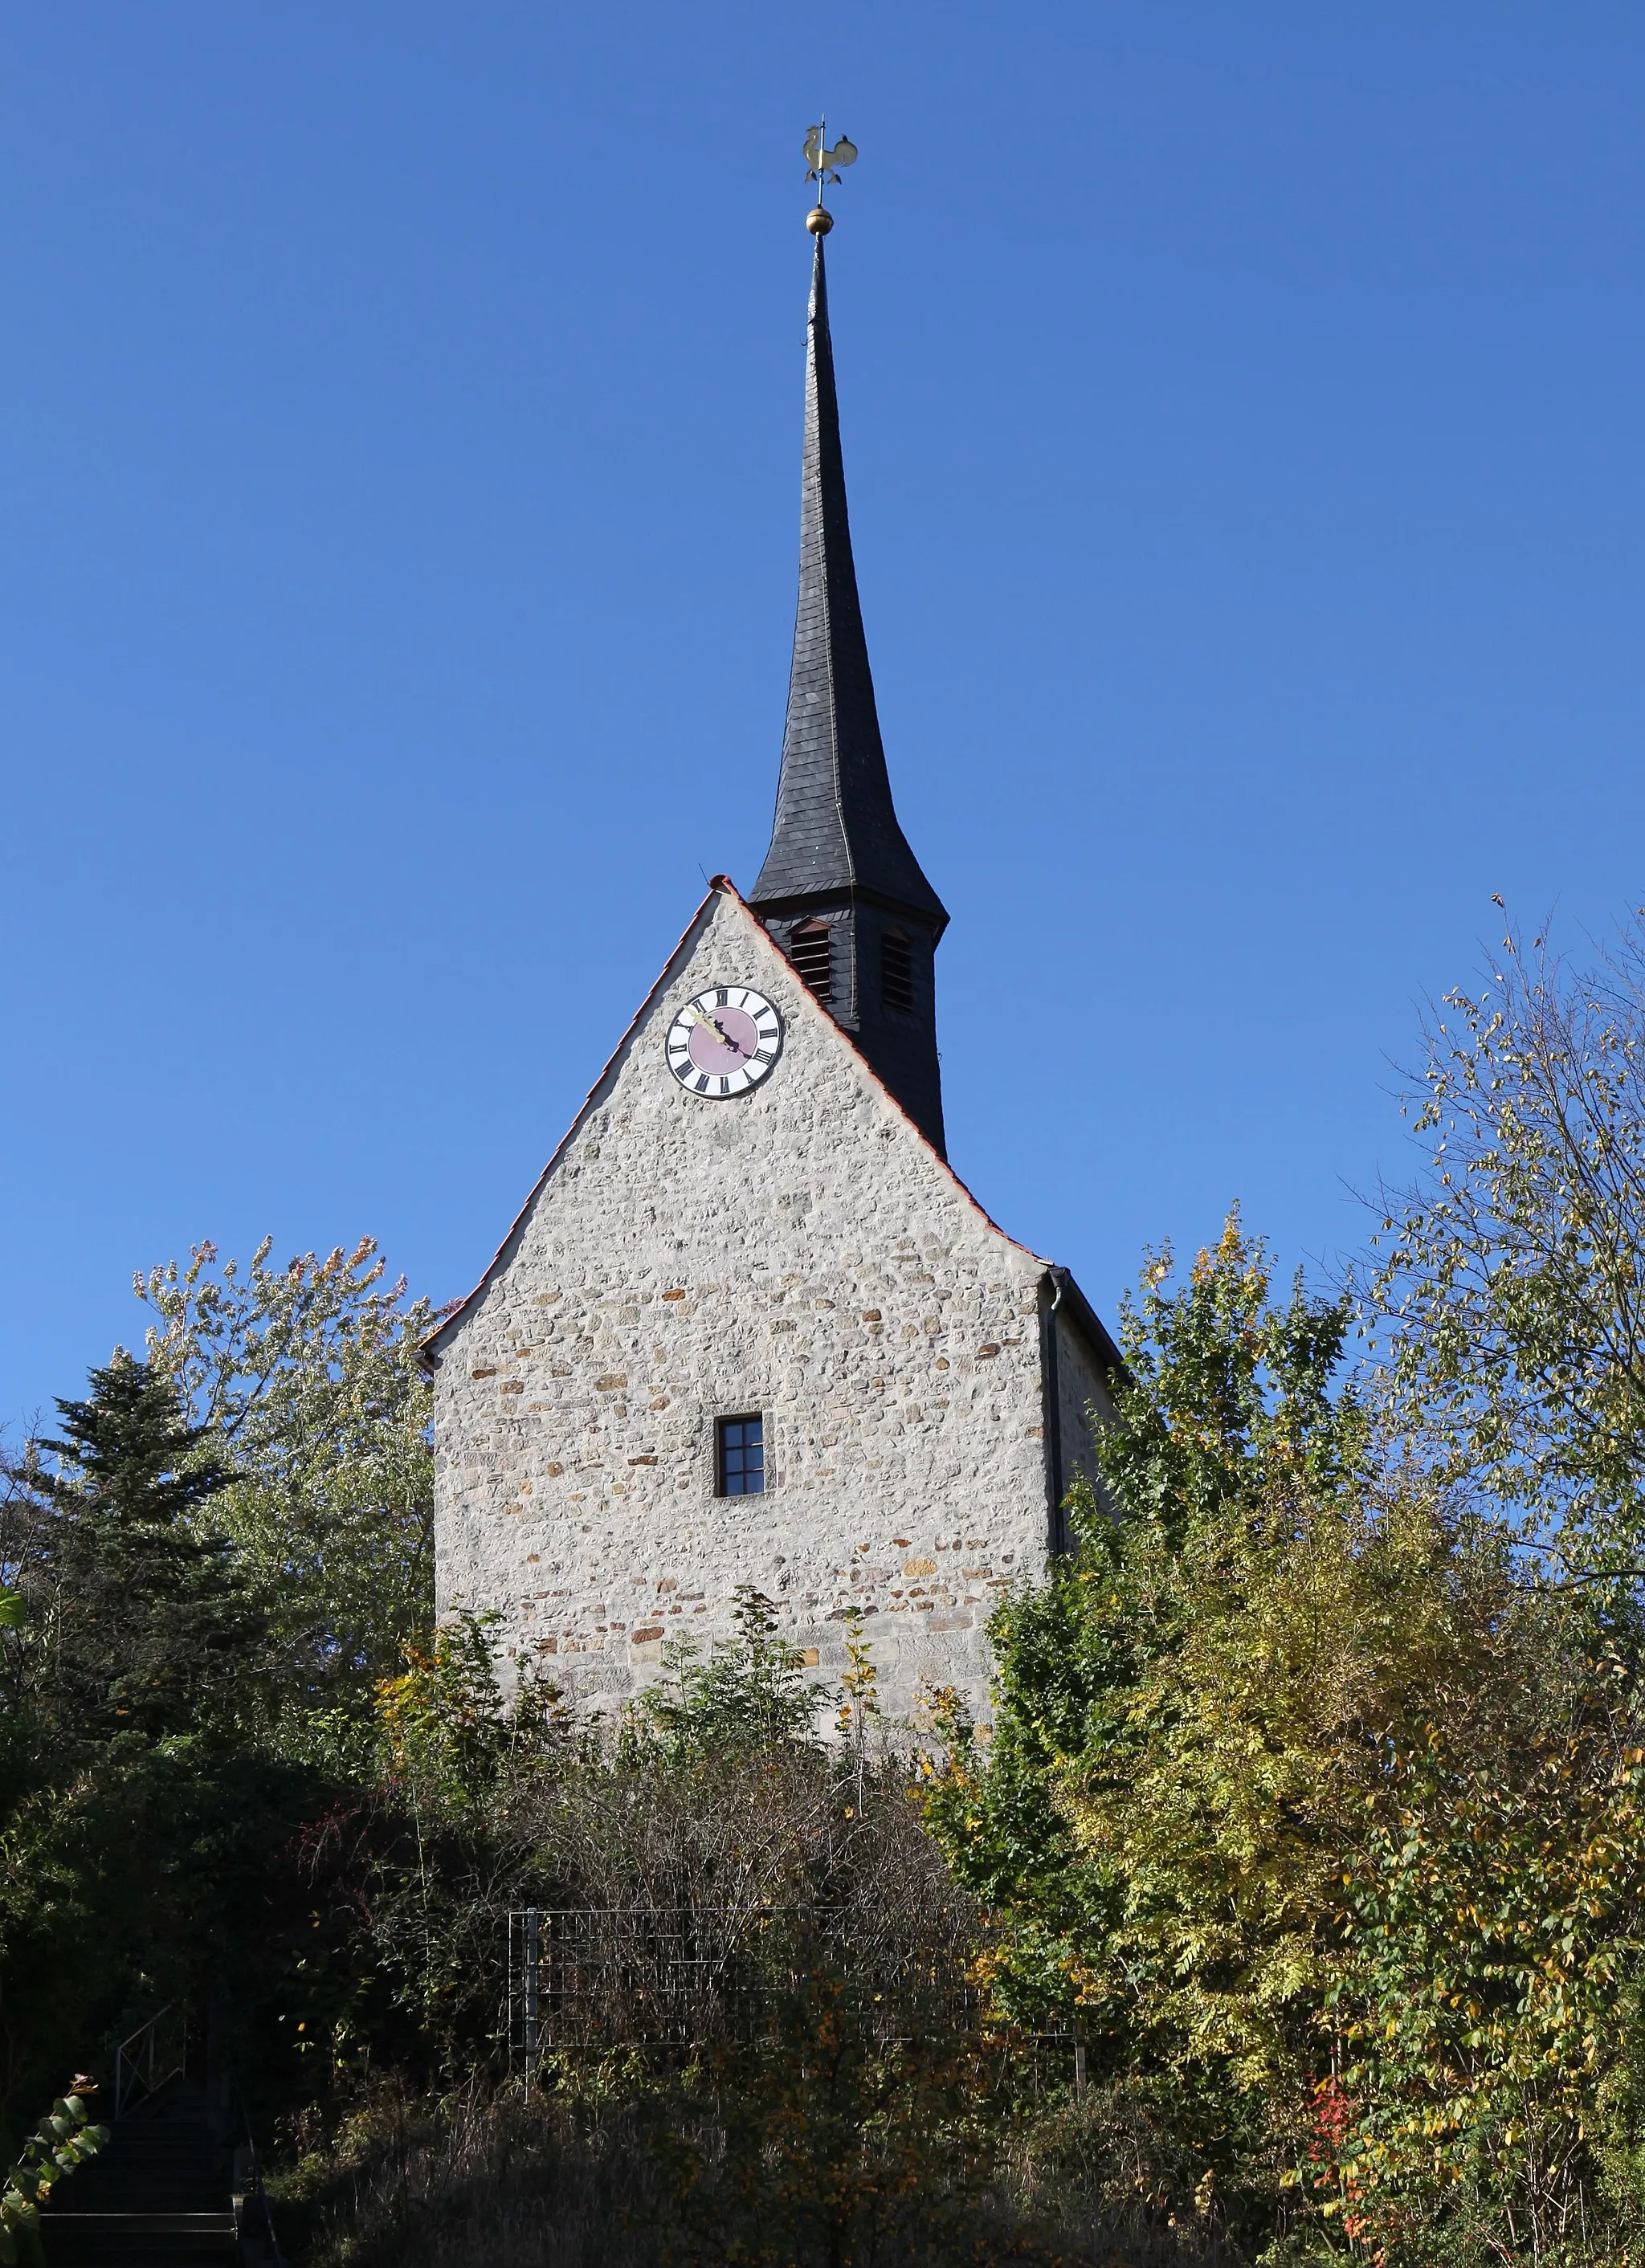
x: 840, y: 889
x: 749, y: 1329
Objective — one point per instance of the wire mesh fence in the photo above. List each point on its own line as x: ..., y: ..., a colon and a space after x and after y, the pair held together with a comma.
x: 688, y: 1977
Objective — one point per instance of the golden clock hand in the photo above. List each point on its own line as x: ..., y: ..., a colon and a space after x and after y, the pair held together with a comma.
x: 710, y: 1024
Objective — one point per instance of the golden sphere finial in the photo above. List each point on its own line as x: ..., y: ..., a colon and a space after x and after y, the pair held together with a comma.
x: 819, y: 220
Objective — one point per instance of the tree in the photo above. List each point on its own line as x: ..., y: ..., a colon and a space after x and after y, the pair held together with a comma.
x: 1495, y: 1926
x: 136, y: 1619
x: 1497, y: 1899
x: 133, y: 1454
x: 750, y: 1696
x: 1513, y: 1285
x: 139, y: 1815
x: 307, y: 1377
x: 1192, y: 1710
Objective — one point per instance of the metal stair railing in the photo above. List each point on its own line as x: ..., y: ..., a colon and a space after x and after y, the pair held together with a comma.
x: 256, y: 2197
x: 154, y: 2053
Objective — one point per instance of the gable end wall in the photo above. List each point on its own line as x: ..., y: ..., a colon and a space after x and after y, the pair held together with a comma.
x: 799, y: 1251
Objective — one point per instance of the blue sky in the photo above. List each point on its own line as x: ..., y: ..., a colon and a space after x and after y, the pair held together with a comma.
x: 399, y: 460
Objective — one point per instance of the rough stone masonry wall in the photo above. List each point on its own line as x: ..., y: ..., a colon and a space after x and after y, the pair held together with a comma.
x: 801, y: 1252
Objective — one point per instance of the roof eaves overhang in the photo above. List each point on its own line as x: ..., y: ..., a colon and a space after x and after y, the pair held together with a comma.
x: 1091, y: 1325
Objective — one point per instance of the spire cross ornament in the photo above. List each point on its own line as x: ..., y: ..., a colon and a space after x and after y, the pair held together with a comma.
x: 823, y: 164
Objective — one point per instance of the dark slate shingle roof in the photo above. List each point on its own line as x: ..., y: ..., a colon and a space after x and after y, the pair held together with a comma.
x: 836, y: 826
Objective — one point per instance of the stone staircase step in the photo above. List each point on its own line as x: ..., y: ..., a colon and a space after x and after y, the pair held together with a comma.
x: 113, y: 2240
x: 156, y: 2196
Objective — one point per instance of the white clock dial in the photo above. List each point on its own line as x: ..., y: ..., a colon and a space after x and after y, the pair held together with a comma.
x: 723, y: 1042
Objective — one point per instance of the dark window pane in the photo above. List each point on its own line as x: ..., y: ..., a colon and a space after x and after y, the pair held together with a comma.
x: 739, y: 1456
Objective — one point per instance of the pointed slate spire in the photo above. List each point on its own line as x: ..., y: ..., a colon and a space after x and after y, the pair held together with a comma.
x: 836, y: 826
x: 840, y: 890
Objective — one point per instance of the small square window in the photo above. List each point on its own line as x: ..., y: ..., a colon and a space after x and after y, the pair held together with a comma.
x: 739, y: 1456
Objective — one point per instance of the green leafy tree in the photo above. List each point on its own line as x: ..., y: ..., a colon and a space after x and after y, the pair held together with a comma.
x: 1513, y: 1281
x: 1496, y: 1896
x: 307, y: 1377
x: 749, y: 1695
x: 1496, y: 1909
x: 450, y: 1734
x: 1191, y: 1711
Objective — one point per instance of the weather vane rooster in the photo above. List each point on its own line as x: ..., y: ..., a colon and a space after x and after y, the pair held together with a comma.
x: 823, y: 164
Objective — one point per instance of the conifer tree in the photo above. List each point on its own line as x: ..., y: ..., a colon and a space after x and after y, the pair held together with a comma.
x: 132, y: 1453
x: 143, y: 1625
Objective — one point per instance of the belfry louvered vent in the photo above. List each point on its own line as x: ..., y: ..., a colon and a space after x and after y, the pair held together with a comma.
x: 811, y: 950
x: 897, y: 973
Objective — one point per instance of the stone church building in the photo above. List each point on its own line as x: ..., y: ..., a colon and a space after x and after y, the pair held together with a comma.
x: 750, y: 1327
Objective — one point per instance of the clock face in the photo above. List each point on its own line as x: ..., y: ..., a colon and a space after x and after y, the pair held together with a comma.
x: 723, y: 1042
